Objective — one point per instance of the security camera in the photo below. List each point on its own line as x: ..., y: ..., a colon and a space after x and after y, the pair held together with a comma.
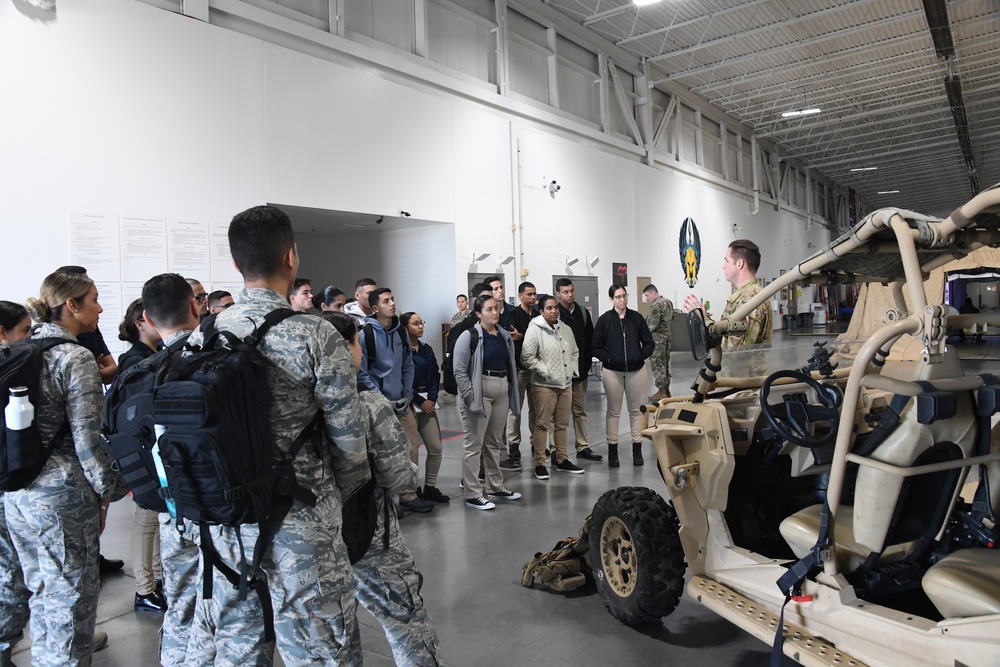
x: 405, y: 214
x: 378, y: 220
x: 554, y: 187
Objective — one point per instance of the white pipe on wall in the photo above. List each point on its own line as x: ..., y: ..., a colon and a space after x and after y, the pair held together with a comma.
x: 755, y: 207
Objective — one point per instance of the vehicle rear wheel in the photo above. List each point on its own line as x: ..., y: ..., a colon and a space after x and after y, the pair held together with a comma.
x: 636, y: 554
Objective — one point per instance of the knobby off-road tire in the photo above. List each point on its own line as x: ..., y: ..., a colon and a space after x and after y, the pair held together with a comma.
x: 636, y: 555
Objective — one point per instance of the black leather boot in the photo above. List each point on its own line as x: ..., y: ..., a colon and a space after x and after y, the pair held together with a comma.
x: 613, y: 456
x: 637, y: 453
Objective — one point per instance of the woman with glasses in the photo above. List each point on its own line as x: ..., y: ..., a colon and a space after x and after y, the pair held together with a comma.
x: 426, y: 378
x: 622, y: 342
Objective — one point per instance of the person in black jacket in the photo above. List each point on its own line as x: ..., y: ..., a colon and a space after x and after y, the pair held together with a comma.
x: 622, y: 342
x: 578, y: 319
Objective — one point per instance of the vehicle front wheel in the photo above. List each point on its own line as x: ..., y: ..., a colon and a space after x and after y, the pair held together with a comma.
x: 636, y: 554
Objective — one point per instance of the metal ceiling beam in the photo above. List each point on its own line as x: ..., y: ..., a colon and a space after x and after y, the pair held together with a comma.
x: 796, y: 64
x: 698, y: 19
x: 944, y: 45
x: 771, y: 27
x: 784, y: 48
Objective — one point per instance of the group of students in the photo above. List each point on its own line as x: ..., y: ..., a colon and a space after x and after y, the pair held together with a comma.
x: 50, y: 528
x: 503, y: 354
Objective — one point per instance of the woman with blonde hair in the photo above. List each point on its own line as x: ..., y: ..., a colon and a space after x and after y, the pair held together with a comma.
x: 54, y: 521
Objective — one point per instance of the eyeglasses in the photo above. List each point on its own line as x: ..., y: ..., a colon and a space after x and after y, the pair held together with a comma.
x: 201, y: 297
x: 418, y: 323
x: 620, y: 296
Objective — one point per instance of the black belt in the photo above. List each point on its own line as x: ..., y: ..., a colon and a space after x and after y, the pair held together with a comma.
x: 495, y: 374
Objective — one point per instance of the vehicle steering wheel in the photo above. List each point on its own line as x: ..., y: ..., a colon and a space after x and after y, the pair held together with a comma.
x: 792, y: 419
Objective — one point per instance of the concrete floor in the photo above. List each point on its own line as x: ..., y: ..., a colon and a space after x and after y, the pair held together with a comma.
x: 471, y: 562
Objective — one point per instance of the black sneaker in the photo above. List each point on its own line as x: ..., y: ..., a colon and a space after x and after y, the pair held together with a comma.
x: 569, y: 466
x: 417, y: 505
x: 505, y: 494
x: 510, y: 465
x: 589, y: 454
x: 152, y: 602
x: 479, y: 503
x: 433, y: 494
x: 541, y: 472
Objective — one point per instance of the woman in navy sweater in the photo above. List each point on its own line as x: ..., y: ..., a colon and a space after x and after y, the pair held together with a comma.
x: 426, y: 379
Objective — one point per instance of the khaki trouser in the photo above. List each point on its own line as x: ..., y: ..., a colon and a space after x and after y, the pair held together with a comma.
x: 553, y: 407
x: 514, y: 422
x: 409, y: 424
x: 430, y: 431
x: 580, y: 415
x: 146, y: 550
x: 484, y: 438
x: 633, y: 387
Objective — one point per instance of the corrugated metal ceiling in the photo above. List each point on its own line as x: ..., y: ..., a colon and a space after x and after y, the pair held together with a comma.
x: 869, y: 65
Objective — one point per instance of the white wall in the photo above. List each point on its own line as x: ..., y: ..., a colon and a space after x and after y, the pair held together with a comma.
x: 116, y: 106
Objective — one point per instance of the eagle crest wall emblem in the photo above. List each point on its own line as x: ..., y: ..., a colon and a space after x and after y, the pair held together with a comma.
x: 690, y: 247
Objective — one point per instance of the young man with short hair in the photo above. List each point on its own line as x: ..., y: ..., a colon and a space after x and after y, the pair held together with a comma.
x: 580, y: 323
x: 170, y: 307
x: 359, y: 309
x: 462, y: 302
x: 518, y: 322
x: 218, y: 301
x: 200, y: 296
x: 307, y: 568
x: 390, y: 373
x: 302, y: 295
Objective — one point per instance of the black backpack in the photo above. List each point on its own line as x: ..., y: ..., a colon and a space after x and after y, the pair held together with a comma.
x: 22, y: 453
x: 448, y: 365
x: 215, y: 441
x: 360, y: 514
x: 128, y: 432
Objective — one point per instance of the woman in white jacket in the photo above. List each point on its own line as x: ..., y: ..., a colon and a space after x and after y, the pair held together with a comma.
x: 550, y: 353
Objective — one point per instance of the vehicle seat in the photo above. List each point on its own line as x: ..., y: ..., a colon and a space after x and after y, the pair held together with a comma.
x: 965, y: 583
x: 892, y: 515
x: 801, y: 530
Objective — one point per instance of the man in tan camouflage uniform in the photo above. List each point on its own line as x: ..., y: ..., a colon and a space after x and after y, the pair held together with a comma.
x: 308, y: 571
x: 659, y: 318
x: 740, y: 268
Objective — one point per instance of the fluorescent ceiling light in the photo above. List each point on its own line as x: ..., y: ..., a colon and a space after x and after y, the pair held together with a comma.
x: 640, y: 3
x: 864, y: 169
x: 888, y: 192
x: 799, y: 112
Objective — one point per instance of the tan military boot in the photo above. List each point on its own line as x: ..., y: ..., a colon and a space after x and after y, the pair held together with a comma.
x: 662, y: 392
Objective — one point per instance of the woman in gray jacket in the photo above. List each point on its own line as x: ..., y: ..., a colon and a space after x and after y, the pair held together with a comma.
x: 487, y: 384
x: 550, y: 353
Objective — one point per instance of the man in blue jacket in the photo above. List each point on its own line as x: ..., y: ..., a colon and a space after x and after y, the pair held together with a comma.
x: 387, y: 368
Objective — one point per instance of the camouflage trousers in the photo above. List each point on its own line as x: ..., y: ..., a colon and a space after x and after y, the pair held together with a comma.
x: 388, y: 585
x: 54, y: 530
x: 13, y: 594
x: 179, y: 555
x: 659, y: 362
x: 312, y: 589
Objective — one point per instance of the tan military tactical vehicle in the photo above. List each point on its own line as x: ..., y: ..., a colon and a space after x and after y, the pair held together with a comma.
x: 866, y: 486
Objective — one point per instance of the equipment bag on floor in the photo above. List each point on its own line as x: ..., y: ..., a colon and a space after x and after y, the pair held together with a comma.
x: 564, y: 568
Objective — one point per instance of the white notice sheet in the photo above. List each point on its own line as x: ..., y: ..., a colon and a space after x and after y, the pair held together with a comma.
x: 130, y: 292
x: 188, y: 248
x: 93, y: 244
x: 144, y: 247
x: 109, y: 295
x: 223, y: 270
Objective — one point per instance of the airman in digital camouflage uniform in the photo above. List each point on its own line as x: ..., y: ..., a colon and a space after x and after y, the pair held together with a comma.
x: 173, y: 310
x: 661, y: 314
x: 740, y: 268
x: 55, y: 521
x: 308, y: 572
x: 387, y: 580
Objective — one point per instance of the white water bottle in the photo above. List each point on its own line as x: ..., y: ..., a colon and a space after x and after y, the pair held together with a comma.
x: 19, y: 413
